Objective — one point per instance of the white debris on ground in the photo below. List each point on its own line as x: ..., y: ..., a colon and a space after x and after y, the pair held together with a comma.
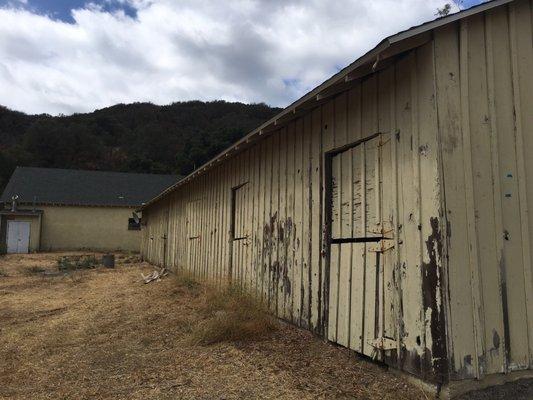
x: 155, y: 276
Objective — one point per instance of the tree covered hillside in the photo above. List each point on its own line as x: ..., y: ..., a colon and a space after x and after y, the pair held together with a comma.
x: 139, y: 137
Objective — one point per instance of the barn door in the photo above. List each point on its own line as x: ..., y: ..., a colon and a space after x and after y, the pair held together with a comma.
x: 361, y: 309
x: 240, y: 231
x: 193, y: 211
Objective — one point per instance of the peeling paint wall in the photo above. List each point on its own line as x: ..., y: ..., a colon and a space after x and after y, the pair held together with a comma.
x: 456, y: 300
x: 485, y: 61
x: 285, y: 256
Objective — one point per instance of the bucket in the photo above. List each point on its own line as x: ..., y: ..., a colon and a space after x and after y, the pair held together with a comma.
x: 108, y: 260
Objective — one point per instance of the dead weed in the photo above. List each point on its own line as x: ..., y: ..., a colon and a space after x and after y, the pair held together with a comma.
x: 185, y: 280
x: 232, y: 314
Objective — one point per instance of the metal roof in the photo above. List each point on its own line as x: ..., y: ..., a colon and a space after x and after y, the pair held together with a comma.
x: 83, y: 188
x: 367, y: 64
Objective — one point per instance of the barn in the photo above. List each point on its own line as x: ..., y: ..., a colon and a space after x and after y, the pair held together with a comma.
x: 48, y: 209
x: 387, y: 210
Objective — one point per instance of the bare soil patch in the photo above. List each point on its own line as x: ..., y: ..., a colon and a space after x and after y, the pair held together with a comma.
x: 102, y: 333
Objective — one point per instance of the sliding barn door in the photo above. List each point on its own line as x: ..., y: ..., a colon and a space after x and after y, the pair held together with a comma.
x: 240, y: 227
x: 194, y: 236
x: 361, y: 309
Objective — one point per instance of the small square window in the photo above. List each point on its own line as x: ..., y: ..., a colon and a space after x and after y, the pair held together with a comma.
x: 134, y: 226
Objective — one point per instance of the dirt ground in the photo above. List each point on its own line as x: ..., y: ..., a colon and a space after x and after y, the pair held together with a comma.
x: 103, y: 334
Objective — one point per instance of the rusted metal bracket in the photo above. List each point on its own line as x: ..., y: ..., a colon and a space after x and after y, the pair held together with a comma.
x: 384, y: 344
x: 385, y: 228
x: 382, y: 246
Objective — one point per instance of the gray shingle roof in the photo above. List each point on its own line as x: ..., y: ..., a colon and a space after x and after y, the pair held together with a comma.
x: 78, y: 187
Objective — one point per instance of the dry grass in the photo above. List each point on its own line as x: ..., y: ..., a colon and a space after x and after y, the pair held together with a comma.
x: 106, y: 335
x: 34, y: 269
x: 232, y: 314
x: 183, y: 279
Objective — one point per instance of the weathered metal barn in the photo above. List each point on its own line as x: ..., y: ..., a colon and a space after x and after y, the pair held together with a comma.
x: 391, y: 208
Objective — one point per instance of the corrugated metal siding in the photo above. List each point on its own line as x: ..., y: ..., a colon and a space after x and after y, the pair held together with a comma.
x: 284, y: 258
x: 485, y: 103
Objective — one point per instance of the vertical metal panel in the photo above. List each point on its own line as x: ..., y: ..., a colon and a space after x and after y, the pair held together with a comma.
x: 233, y: 182
x: 296, y: 244
x: 357, y: 268
x: 306, y: 242
x: 247, y: 263
x: 267, y: 248
x: 369, y: 125
x: 451, y: 87
x: 469, y: 362
x: 334, y: 265
x: 388, y: 203
x: 211, y: 226
x: 430, y: 216
x: 345, y: 197
x: 225, y: 229
x: 521, y: 35
x: 283, y: 284
x: 289, y: 225
x: 256, y: 163
x: 274, y: 223
x: 204, y: 228
x: 251, y: 218
x: 315, y: 219
x: 494, y: 359
x: 260, y: 219
x: 216, y: 177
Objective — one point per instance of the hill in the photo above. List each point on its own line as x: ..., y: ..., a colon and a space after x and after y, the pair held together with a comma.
x: 138, y: 137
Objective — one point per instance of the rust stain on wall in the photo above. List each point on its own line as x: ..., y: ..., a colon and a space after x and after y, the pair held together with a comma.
x: 435, y: 358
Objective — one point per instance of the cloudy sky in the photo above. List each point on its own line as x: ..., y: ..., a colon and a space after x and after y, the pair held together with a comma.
x: 65, y: 56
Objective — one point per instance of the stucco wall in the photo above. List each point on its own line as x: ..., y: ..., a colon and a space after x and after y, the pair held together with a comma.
x: 96, y: 228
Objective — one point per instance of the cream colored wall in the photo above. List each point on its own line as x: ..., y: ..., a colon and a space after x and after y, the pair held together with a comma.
x: 95, y: 228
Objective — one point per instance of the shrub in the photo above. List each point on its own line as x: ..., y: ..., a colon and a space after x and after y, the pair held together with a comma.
x: 72, y: 263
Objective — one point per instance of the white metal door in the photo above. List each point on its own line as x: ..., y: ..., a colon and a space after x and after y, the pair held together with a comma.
x: 361, y: 311
x: 18, y: 236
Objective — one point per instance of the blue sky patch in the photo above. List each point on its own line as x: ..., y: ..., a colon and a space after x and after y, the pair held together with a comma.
x: 62, y: 9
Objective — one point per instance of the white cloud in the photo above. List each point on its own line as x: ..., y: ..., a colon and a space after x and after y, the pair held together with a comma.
x: 244, y: 50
